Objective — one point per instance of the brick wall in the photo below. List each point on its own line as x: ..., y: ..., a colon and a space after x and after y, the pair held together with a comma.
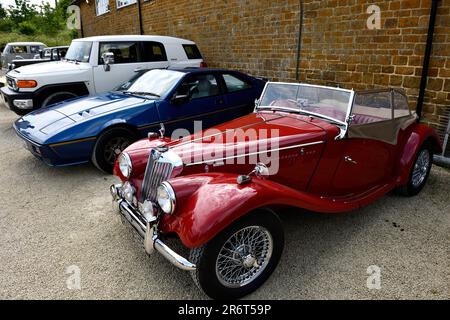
x: 260, y: 37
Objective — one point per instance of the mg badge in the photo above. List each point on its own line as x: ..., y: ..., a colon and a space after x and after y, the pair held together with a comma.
x: 155, y: 154
x: 162, y: 148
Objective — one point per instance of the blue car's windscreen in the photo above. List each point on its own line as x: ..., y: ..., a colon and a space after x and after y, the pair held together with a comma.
x: 153, y: 82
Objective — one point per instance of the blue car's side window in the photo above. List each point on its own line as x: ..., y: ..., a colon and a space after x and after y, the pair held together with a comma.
x: 235, y: 84
x: 199, y: 86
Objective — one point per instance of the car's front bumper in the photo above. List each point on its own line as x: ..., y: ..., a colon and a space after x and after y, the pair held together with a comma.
x: 25, y: 98
x: 147, y: 229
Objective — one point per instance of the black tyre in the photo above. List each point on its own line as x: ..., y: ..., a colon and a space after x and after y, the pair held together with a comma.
x: 109, y: 145
x: 419, y: 172
x: 57, y: 97
x: 241, y: 258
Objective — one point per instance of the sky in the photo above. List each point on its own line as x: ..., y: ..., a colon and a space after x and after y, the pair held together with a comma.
x: 7, y: 3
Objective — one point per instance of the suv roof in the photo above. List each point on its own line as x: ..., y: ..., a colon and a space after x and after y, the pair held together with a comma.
x: 165, y: 39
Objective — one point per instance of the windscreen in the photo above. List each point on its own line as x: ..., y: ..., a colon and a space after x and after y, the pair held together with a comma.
x: 79, y: 51
x: 309, y: 99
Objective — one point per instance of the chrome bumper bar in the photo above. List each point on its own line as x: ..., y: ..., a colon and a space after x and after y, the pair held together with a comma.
x: 147, y: 230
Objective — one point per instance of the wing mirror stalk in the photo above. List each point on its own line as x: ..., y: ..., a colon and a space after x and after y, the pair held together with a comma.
x: 261, y: 171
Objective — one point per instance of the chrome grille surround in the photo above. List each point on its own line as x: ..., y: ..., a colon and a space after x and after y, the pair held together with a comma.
x: 161, y: 166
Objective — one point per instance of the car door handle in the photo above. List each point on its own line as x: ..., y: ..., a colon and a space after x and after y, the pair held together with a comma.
x: 219, y: 101
x: 349, y: 159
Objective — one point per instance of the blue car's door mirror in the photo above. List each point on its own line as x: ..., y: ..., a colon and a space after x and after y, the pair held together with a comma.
x: 180, y: 99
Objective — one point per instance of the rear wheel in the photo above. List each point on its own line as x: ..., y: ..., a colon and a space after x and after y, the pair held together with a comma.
x: 241, y: 258
x: 57, y: 97
x: 109, y: 145
x: 419, y: 172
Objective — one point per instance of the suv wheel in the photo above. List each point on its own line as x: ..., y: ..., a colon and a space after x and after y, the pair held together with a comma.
x: 109, y: 145
x: 57, y: 97
x: 241, y: 258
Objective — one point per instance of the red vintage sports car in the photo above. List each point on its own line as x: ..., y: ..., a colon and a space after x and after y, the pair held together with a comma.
x: 318, y: 148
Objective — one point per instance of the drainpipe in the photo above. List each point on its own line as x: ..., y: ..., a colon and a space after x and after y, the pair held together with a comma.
x: 299, y: 44
x: 81, y: 25
x: 141, y: 30
x: 426, y: 59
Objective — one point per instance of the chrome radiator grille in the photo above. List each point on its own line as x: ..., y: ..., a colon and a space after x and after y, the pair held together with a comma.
x: 156, y: 172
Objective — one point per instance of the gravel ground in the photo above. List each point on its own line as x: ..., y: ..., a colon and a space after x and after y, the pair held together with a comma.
x: 52, y: 219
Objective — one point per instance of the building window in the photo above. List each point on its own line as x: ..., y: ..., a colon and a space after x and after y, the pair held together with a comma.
x: 124, y: 3
x: 101, y: 7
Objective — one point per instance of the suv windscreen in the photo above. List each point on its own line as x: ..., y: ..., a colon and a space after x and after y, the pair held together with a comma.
x: 79, y: 51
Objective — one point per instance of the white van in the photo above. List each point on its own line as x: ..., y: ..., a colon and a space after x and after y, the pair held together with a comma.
x: 94, y: 65
x: 19, y: 50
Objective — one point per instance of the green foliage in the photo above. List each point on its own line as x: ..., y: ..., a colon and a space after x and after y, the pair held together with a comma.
x: 36, y: 20
x: 6, y: 25
x: 2, y: 12
x: 27, y: 28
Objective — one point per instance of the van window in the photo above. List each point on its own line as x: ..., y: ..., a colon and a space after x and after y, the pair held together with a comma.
x: 153, y: 51
x: 192, y: 51
x: 124, y: 52
x: 19, y: 49
x: 34, y: 49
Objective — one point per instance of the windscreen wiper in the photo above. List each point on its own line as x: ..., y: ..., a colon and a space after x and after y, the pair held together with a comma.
x: 142, y: 93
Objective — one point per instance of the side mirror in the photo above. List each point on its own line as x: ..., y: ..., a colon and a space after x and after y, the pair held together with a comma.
x: 108, y: 60
x: 180, y: 99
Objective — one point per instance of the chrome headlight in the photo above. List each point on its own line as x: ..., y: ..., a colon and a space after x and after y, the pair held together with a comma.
x: 125, y: 164
x: 166, y: 197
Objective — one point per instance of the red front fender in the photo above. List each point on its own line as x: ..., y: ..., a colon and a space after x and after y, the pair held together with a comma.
x: 419, y: 134
x: 208, y: 203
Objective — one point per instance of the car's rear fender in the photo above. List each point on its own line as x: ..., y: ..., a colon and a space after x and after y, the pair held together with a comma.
x: 207, y: 203
x: 418, y: 135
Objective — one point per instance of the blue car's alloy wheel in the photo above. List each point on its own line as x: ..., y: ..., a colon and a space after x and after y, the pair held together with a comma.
x: 109, y: 145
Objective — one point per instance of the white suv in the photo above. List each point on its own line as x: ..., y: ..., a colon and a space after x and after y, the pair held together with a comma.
x: 94, y: 65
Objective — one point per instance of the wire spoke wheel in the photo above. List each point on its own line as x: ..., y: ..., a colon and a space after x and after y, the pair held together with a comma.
x: 244, y: 256
x: 421, y: 167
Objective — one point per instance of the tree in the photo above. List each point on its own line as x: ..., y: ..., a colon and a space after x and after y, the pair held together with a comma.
x: 22, y: 11
x: 2, y: 12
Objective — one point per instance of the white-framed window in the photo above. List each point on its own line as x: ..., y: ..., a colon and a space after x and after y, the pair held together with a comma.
x: 124, y: 3
x: 101, y: 7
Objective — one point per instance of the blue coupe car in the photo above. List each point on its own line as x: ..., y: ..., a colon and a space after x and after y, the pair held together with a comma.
x: 98, y: 128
